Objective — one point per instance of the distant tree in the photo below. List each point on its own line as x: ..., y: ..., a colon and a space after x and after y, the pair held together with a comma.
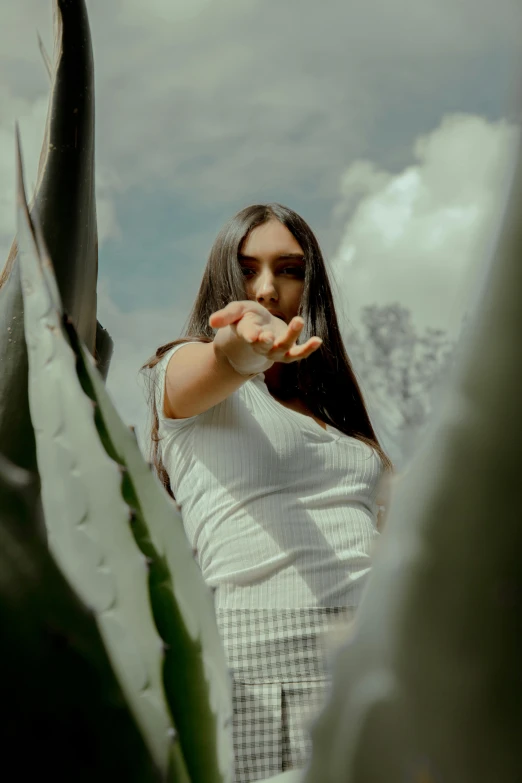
x: 399, y: 367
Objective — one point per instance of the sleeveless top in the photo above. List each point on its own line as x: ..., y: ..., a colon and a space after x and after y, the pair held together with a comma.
x: 280, y: 513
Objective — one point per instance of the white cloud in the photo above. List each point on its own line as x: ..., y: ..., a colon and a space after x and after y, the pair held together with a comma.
x: 423, y: 237
x: 254, y: 95
x: 226, y: 99
x: 220, y: 99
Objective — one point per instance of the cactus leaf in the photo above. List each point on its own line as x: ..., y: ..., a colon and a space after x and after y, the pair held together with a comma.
x: 196, y: 679
x: 65, y: 199
x: 56, y: 674
x: 86, y: 515
x: 195, y: 670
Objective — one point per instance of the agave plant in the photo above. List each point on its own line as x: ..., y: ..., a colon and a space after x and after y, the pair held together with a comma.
x: 65, y: 199
x: 119, y: 538
x: 58, y: 691
x: 429, y: 685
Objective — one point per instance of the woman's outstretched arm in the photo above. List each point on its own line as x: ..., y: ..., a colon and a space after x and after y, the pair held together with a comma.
x: 248, y: 341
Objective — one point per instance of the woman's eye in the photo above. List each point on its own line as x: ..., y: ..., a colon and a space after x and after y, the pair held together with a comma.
x: 293, y: 270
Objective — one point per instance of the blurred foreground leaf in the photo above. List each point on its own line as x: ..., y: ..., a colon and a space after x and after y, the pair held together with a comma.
x: 100, y: 498
x: 429, y: 686
x: 62, y: 712
x: 87, y: 519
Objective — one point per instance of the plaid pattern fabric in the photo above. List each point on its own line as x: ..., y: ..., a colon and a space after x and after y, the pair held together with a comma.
x: 280, y: 678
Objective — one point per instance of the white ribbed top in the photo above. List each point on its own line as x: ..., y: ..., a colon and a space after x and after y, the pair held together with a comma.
x: 280, y: 513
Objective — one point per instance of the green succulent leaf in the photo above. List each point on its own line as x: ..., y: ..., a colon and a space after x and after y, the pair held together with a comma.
x: 429, y: 684
x: 56, y: 676
x: 87, y: 518
x: 65, y: 192
x: 104, y: 349
x: 196, y: 679
x: 65, y: 199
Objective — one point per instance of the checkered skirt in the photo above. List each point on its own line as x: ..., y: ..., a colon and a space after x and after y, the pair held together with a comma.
x: 280, y: 679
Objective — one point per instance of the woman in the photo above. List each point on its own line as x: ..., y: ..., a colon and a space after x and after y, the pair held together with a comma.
x: 267, y: 447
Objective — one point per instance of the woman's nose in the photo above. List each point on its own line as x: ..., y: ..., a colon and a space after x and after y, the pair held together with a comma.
x: 265, y: 284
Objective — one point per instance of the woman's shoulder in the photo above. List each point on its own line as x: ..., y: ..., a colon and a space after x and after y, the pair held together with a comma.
x: 160, y: 367
x: 160, y: 389
x: 159, y: 377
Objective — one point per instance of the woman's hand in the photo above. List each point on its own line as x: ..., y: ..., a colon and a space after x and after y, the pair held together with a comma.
x: 265, y: 334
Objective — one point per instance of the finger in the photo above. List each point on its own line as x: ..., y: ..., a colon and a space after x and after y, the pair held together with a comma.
x: 225, y: 317
x: 247, y: 331
x: 303, y: 351
x: 262, y: 348
x: 294, y: 328
x: 233, y: 312
x: 266, y: 337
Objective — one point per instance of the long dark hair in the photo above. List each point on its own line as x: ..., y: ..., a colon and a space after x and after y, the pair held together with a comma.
x: 325, y: 381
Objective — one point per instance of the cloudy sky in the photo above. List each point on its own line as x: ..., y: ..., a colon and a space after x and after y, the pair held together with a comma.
x: 388, y: 124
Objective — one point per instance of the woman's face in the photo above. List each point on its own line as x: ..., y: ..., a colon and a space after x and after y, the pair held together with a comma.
x: 272, y: 262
